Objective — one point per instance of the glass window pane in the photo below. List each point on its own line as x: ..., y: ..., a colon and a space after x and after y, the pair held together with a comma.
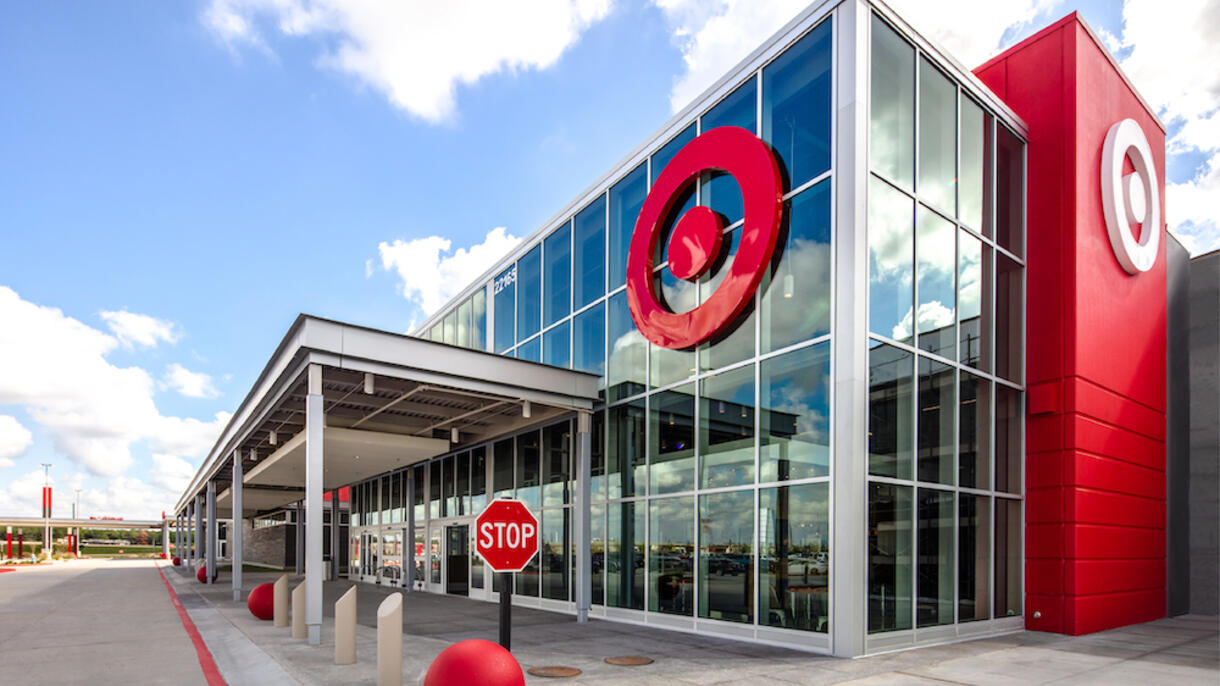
x: 504, y: 290
x: 420, y: 478
x: 794, y: 557
x: 450, y: 322
x: 557, y: 276
x: 890, y: 411
x: 462, y: 465
x: 892, y: 106
x: 970, y: 190
x: 671, y: 543
x: 529, y: 296
x: 1009, y: 318
x: 627, y: 366
x: 589, y: 260
x: 937, y: 138
x: 597, y: 550
x: 726, y: 428
x: 1008, y: 430
x: 672, y: 426
x: 589, y: 341
x: 478, y: 320
x: 527, y: 581
x: 794, y: 427
x: 1008, y: 555
x: 889, y: 557
x: 597, y: 456
x: 626, y: 199
x: 626, y: 463
x: 449, y: 506
x: 891, y: 261
x: 463, y: 324
x: 796, y: 106
x: 395, y: 498
x: 625, y: 555
x: 937, y: 389
x: 556, y: 342
x: 1009, y: 185
x: 974, y: 456
x: 687, y: 198
x: 556, y: 552
x: 740, y: 108
x: 502, y: 468
x: 936, y: 558
x: 736, y: 342
x: 556, y: 464
x: 670, y: 366
x: 528, y: 470
x: 974, y: 301
x: 434, y: 489
x: 726, y: 556
x: 478, y: 480
x: 437, y: 333
x: 531, y: 350
x: 935, y: 271
x: 973, y: 557
x: 796, y: 293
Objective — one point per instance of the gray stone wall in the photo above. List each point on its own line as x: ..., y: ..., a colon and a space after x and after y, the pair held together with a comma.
x: 264, y: 546
x: 1205, y: 434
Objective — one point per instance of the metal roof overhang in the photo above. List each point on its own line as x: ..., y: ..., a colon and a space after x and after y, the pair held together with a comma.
x: 421, y: 391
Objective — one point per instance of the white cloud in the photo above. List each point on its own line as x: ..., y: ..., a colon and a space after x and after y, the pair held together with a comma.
x: 416, y: 53
x: 932, y: 316
x: 1172, y: 62
x: 93, y: 411
x: 715, y: 35
x: 431, y: 275
x: 188, y: 383
x: 139, y: 329
x: 14, y: 440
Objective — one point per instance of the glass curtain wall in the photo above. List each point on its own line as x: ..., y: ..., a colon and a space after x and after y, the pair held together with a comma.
x: 945, y: 386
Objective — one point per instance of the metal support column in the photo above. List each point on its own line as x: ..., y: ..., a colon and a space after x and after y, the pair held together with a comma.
x: 213, y: 534
x: 334, y: 533
x: 164, y: 538
x: 198, y: 533
x: 850, y: 344
x: 235, y: 533
x: 314, y: 419
x: 408, y: 549
x: 584, y: 547
x: 299, y: 530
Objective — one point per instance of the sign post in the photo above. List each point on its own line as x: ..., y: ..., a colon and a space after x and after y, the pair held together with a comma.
x: 507, y: 539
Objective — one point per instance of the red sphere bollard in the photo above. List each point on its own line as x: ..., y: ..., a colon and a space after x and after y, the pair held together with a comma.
x: 475, y: 663
x: 202, y: 574
x: 262, y: 601
x: 177, y: 561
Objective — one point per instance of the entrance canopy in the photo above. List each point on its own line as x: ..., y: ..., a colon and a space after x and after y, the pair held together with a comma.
x: 388, y: 400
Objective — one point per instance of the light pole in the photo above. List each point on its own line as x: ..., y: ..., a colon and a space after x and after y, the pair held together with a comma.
x: 46, y: 510
x: 75, y: 514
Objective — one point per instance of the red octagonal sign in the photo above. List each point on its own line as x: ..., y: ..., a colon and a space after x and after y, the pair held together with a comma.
x: 506, y: 535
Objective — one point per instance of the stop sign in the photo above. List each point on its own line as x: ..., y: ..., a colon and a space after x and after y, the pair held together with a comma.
x: 506, y: 535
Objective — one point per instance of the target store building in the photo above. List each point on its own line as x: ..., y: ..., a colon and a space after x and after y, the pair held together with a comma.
x: 862, y: 350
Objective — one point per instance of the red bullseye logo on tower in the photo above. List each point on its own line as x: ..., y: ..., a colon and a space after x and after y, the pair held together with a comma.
x: 697, y: 237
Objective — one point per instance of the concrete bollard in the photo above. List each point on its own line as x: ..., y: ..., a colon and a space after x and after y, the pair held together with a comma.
x: 389, y: 641
x: 298, y: 612
x: 345, y: 628
x: 280, y: 601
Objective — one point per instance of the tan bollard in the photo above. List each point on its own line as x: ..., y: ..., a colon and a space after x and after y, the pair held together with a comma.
x: 279, y: 601
x: 298, y: 612
x: 389, y: 641
x: 345, y: 628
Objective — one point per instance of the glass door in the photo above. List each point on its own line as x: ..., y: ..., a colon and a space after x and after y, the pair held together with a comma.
x: 434, y: 560
x: 390, y: 573
x: 478, y: 571
x: 419, y: 560
x: 457, y: 559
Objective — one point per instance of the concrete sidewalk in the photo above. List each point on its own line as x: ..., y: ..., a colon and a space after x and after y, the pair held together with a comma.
x: 1183, y: 651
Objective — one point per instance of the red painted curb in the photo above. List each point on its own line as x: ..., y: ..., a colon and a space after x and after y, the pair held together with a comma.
x: 206, y: 663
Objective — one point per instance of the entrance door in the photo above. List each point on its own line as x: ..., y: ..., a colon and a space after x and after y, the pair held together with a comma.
x: 390, y: 573
x: 457, y: 558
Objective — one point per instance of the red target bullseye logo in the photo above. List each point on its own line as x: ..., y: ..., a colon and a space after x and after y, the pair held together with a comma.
x: 697, y: 237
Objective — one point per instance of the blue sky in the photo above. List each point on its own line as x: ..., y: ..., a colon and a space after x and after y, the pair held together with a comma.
x: 213, y: 168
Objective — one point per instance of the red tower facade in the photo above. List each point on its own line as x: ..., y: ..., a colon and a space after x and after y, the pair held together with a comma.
x: 1096, y: 346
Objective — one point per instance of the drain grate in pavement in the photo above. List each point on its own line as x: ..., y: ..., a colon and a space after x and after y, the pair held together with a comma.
x: 554, y: 671
x: 629, y: 660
